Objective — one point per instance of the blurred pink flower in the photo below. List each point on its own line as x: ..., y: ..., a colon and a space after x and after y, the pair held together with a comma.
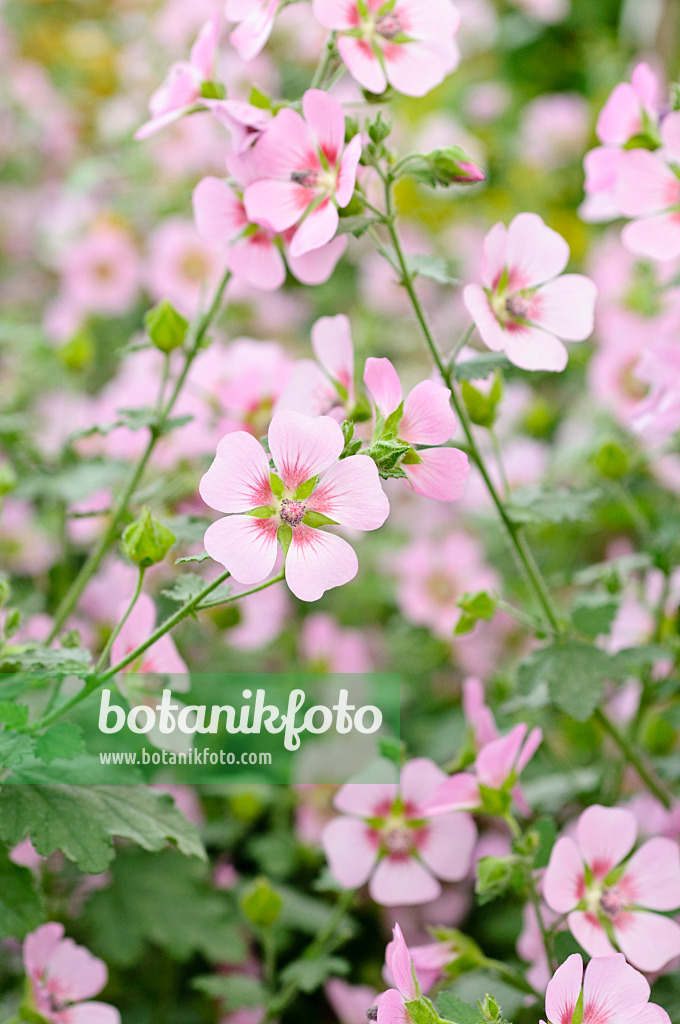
x: 610, y: 993
x: 632, y: 108
x: 409, y: 44
x: 181, y: 265
x: 392, y: 1003
x: 63, y: 977
x: 256, y: 21
x: 305, y: 172
x: 657, y: 417
x: 328, y: 647
x: 386, y: 835
x: 478, y: 715
x: 526, y: 303
x: 554, y: 129
x: 549, y: 12
x: 324, y: 387
x: 429, y: 960
x: 604, y: 893
x: 648, y: 189
x: 101, y: 272
x: 162, y: 657
x: 313, y: 488
x: 349, y: 1002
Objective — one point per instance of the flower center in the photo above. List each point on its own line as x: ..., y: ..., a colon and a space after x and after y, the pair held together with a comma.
x: 292, y: 511
x: 307, y: 178
x: 388, y: 26
x: 517, y: 307
x: 397, y: 839
x: 611, y: 903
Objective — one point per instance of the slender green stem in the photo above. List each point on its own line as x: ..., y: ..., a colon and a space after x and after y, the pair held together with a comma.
x: 498, y: 455
x: 325, y: 63
x: 634, y: 511
x: 196, y: 336
x: 545, y: 934
x: 114, y: 632
x: 651, y: 780
x: 269, y: 957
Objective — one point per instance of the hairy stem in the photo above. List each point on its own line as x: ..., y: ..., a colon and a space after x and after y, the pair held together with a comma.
x: 114, y: 632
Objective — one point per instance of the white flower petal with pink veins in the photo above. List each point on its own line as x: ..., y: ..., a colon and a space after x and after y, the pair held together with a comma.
x: 382, y: 380
x: 564, y: 879
x: 446, y: 845
x: 613, y: 992
x: 258, y: 262
x: 441, y: 473
x: 605, y: 835
x: 245, y: 545
x: 531, y: 348
x: 351, y: 848
x: 564, y: 990
x: 239, y: 477
x: 332, y: 345
x: 656, y: 237
x: 493, y: 334
x: 362, y: 63
x: 303, y: 446
x: 90, y: 1013
x: 428, y: 417
x: 402, y: 881
x: 652, y: 876
x: 589, y: 933
x: 648, y: 940
x: 392, y: 1008
x: 566, y: 307
x: 316, y: 230
x: 535, y: 253
x: 351, y: 494
x: 318, y: 561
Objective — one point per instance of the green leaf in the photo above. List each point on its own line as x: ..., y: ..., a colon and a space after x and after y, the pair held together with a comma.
x: 203, y: 557
x: 574, y: 673
x: 309, y: 975
x: 534, y: 505
x: 480, y: 607
x: 14, y: 748
x: 21, y: 907
x: 49, y: 660
x: 234, y: 990
x: 62, y: 741
x: 435, y: 268
x: 305, y: 489
x: 82, y: 821
x: 482, y: 406
x: 593, y: 613
x: 15, y: 716
x: 356, y: 225
x: 547, y: 834
x: 481, y: 366
x: 316, y: 519
x: 452, y: 1008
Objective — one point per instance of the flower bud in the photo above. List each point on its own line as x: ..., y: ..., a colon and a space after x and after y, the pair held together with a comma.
x: 261, y: 903
x: 449, y: 165
x: 612, y: 461
x: 146, y: 541
x: 165, y: 326
x: 482, y: 406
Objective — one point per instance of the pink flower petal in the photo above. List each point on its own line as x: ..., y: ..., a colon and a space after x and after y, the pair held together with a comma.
x: 288, y: 145
x: 352, y: 850
x: 316, y: 266
x: 250, y: 37
x: 90, y: 1013
x: 347, y: 172
x: 366, y: 800
x: 530, y: 348
x: 670, y: 136
x: 336, y: 14
x: 244, y: 545
x: 419, y: 777
x: 535, y: 252
x: 441, y: 473
x: 316, y: 230
x: 414, y: 69
x: 238, y: 479
x: 652, y: 877
x: 402, y: 881
x: 332, y: 344
x: 218, y: 211
x: 567, y: 307
x: 494, y: 256
x: 477, y: 302
x: 457, y: 793
x: 325, y: 117
x: 645, y: 184
x: 564, y: 879
x: 382, y: 380
x: 564, y: 990
x: 606, y: 836
x: 78, y: 973
x: 40, y: 945
x: 400, y: 966
x: 428, y: 417
x: 318, y: 561
x: 649, y: 941
x: 303, y: 446
x: 446, y: 846
x: 656, y: 237
x: 276, y: 204
x: 350, y: 493
x: 533, y: 742
x: 258, y: 262
x: 612, y: 991
x: 391, y: 1008
x: 137, y: 627
x: 621, y: 117
x: 362, y: 63
x: 589, y: 933
x: 204, y: 49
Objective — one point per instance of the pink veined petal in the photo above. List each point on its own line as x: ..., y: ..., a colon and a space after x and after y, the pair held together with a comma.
x: 652, y: 1014
x: 244, y: 545
x: 40, y: 945
x: 288, y: 145
x: 347, y: 172
x: 497, y: 760
x: 441, y: 473
x: 382, y: 380
x: 317, y: 562
x: 391, y: 1008
x: 218, y: 211
x: 79, y: 973
x: 352, y: 849
x: 332, y: 345
x: 419, y: 777
x: 531, y: 348
x: 401, y: 966
x: 566, y: 307
x: 535, y: 252
x: 431, y: 21
x: 477, y: 302
x: 136, y: 628
x: 589, y: 933
x: 457, y: 793
x: 606, y: 836
x: 645, y: 184
x: 652, y: 876
x: 250, y: 37
x: 366, y: 800
x: 402, y: 881
x: 656, y: 237
x: 621, y: 117
x: 316, y: 266
x: 337, y: 14
x: 613, y: 991
x: 649, y: 941
x: 204, y: 49
x: 564, y: 990
x: 350, y: 493
x: 308, y: 390
x: 362, y: 63
x: 670, y: 136
x: 414, y: 69
x: 325, y: 117
x: 494, y: 257
x: 276, y: 204
x: 564, y: 879
x: 303, y: 446
x: 238, y: 479
x: 446, y: 845
x: 258, y: 262
x: 90, y: 1013
x: 317, y: 229
x: 428, y: 417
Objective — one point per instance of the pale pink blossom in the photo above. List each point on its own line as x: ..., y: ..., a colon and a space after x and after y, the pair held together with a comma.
x: 309, y: 490
x: 392, y: 1003
x: 531, y: 947
x: 632, y: 108
x: 63, y: 977
x: 255, y: 23
x: 328, y: 647
x: 611, y: 992
x: 349, y: 1002
x: 478, y: 714
x: 657, y: 416
x: 101, y: 272
x: 554, y: 129
x: 409, y: 44
x: 606, y: 892
x: 648, y: 189
x: 526, y: 304
x: 549, y: 12
x: 182, y: 266
x: 423, y: 418
x: 385, y: 837
x: 429, y: 961
x: 162, y: 657
x: 325, y: 386
x: 305, y: 172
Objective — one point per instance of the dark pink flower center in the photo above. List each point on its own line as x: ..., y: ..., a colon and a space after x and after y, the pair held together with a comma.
x: 389, y: 26
x: 307, y: 178
x: 398, y: 840
x: 611, y: 902
x: 517, y: 307
x: 292, y: 511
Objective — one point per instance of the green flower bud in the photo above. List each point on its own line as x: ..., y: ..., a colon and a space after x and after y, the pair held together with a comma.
x: 482, y: 407
x: 146, y: 541
x: 612, y: 461
x: 165, y: 326
x: 261, y: 903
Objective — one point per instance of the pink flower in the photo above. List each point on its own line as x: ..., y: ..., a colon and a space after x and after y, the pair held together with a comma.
x: 392, y: 1004
x: 423, y: 418
x: 162, y: 657
x: 478, y: 715
x: 63, y: 977
x: 385, y: 835
x: 256, y: 21
x: 182, y: 267
x: 605, y: 894
x: 555, y: 129
x: 181, y: 90
x: 524, y: 307
x: 101, y: 272
x: 324, y: 387
x: 306, y: 172
x: 632, y: 108
x: 657, y: 417
x: 309, y: 490
x: 610, y: 993
x: 648, y: 189
x: 497, y: 768
x: 408, y: 44
x: 327, y: 647
x: 428, y: 960
x: 349, y: 1002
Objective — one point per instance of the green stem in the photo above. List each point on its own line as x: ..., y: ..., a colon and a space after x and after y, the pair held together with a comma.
x: 114, y: 632
x: 498, y: 455
x: 512, y: 977
x: 545, y: 934
x: 324, y: 63
x: 269, y: 957
x: 646, y: 773
x: 72, y: 596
